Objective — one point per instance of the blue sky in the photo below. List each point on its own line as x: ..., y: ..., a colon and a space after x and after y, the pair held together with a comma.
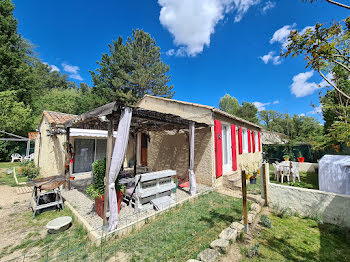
x: 213, y: 47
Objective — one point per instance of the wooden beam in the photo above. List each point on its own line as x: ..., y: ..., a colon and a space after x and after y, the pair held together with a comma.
x: 245, y: 201
x: 265, y: 174
x: 109, y: 152
x: 67, y: 158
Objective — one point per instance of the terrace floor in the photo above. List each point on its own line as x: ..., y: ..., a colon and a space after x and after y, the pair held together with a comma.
x: 85, y: 206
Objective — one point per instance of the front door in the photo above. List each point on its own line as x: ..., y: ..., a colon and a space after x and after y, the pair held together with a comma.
x: 144, y: 144
x: 84, y: 155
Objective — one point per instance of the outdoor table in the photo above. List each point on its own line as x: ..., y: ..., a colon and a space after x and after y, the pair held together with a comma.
x: 51, y: 198
x: 285, y: 164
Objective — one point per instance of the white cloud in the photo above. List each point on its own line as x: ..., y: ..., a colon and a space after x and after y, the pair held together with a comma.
x: 268, y: 5
x: 317, y: 110
x: 275, y: 102
x: 261, y: 106
x: 53, y: 67
x: 192, y: 22
x: 282, y: 34
x: 301, y: 87
x: 73, y: 70
x: 302, y: 114
x: 276, y: 60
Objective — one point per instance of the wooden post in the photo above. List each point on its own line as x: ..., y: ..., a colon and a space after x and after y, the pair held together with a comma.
x: 109, y: 151
x: 245, y: 202
x: 265, y: 169
x: 135, y: 153
x: 68, y: 156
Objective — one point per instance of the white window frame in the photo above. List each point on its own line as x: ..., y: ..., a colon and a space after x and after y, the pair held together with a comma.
x: 228, y: 166
x: 256, y: 141
x: 245, y: 140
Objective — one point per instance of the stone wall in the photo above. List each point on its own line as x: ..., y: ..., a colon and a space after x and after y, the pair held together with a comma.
x: 333, y: 208
x: 170, y: 150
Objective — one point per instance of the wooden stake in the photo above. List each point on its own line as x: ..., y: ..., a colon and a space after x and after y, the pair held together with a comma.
x: 67, y: 158
x: 108, y: 164
x: 245, y: 202
x: 265, y: 183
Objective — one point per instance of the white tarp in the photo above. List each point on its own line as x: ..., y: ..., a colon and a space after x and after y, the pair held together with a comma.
x: 76, y: 132
x: 334, y: 174
x: 192, y: 178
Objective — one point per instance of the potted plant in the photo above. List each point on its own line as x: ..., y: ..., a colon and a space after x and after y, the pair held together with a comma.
x: 97, y: 188
x: 300, y: 157
x: 286, y: 157
x: 252, y: 179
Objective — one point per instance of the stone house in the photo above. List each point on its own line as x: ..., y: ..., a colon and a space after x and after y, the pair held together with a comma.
x: 227, y: 145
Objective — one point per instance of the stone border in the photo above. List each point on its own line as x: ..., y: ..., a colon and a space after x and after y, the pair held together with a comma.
x: 125, y: 230
x: 229, y: 235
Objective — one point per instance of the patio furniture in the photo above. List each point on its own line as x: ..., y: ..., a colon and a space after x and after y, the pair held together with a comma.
x: 52, y: 197
x: 153, y: 189
x: 15, y: 157
x: 277, y: 171
x: 29, y: 157
x: 295, y: 171
x: 285, y: 172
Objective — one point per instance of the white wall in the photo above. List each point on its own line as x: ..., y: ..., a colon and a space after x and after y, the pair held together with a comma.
x: 333, y: 208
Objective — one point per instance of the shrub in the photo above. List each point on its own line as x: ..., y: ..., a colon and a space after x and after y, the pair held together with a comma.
x: 29, y: 170
x: 265, y: 221
x: 254, y: 251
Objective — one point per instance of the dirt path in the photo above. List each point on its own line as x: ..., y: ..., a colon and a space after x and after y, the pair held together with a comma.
x: 11, y: 204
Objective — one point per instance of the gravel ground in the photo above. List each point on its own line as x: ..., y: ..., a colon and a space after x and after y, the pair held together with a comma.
x: 86, y: 207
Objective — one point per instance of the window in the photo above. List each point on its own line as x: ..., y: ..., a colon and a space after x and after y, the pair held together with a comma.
x: 226, y: 148
x: 256, y: 141
x: 245, y: 140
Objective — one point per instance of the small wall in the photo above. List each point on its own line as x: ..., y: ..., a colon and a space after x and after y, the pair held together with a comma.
x: 333, y: 208
x: 308, y: 167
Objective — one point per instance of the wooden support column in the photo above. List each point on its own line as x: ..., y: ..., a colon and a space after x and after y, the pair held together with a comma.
x: 28, y: 148
x: 135, y: 153
x: 245, y: 201
x: 109, y: 152
x: 67, y: 160
x: 265, y: 174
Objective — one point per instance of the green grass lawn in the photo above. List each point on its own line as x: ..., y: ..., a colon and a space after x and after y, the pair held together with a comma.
x: 301, y: 239
x: 37, y: 240
x: 7, y: 179
x: 307, y: 179
x: 177, y: 235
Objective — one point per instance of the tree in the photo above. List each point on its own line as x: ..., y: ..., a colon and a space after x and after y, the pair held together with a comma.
x: 229, y: 104
x: 132, y: 70
x: 332, y: 2
x: 248, y: 111
x: 271, y: 120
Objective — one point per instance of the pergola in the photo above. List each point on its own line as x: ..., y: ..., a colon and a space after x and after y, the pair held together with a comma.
x: 113, y: 116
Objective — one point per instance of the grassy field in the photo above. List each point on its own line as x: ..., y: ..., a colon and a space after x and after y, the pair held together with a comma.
x: 177, y: 235
x: 36, y: 243
x: 298, y: 239
x: 307, y: 179
x: 7, y: 179
x: 8, y: 165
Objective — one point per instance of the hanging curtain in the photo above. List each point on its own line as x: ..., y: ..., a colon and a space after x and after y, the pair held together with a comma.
x: 192, y: 178
x: 121, y: 143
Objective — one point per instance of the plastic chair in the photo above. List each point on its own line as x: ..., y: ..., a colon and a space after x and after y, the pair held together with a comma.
x: 276, y: 171
x: 15, y: 157
x: 295, y: 171
x: 285, y: 172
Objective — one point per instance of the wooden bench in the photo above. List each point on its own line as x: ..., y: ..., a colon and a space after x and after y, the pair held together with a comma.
x: 155, y: 186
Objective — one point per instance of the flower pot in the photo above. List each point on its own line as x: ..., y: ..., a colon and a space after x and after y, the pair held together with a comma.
x: 99, y: 205
x: 286, y: 159
x: 301, y: 159
x: 66, y: 166
x: 72, y: 178
x: 119, y: 199
x: 252, y: 180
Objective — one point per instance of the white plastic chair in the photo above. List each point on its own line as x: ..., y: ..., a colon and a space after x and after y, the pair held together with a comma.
x: 30, y: 157
x: 277, y: 171
x: 15, y: 157
x: 285, y: 172
x: 295, y: 171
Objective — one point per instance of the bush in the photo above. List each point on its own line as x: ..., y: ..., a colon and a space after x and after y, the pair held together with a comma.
x: 97, y: 188
x: 29, y: 170
x: 254, y: 251
x: 265, y: 221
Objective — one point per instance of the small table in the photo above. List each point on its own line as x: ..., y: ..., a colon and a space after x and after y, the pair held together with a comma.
x: 284, y: 164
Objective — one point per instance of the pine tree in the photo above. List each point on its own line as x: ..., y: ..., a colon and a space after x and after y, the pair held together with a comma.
x: 132, y: 70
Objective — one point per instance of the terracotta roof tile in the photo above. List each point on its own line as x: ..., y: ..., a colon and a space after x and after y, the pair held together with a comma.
x: 57, y: 118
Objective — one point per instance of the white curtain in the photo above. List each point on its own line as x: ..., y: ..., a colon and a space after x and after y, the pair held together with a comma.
x: 192, y: 178
x: 121, y: 143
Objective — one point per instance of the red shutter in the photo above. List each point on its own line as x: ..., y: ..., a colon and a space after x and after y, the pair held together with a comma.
x: 253, y: 141
x: 240, y: 145
x: 234, y: 152
x: 249, y: 142
x: 259, y: 141
x: 218, y: 148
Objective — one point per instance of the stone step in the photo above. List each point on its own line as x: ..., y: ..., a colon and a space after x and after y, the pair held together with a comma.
x: 233, y: 182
